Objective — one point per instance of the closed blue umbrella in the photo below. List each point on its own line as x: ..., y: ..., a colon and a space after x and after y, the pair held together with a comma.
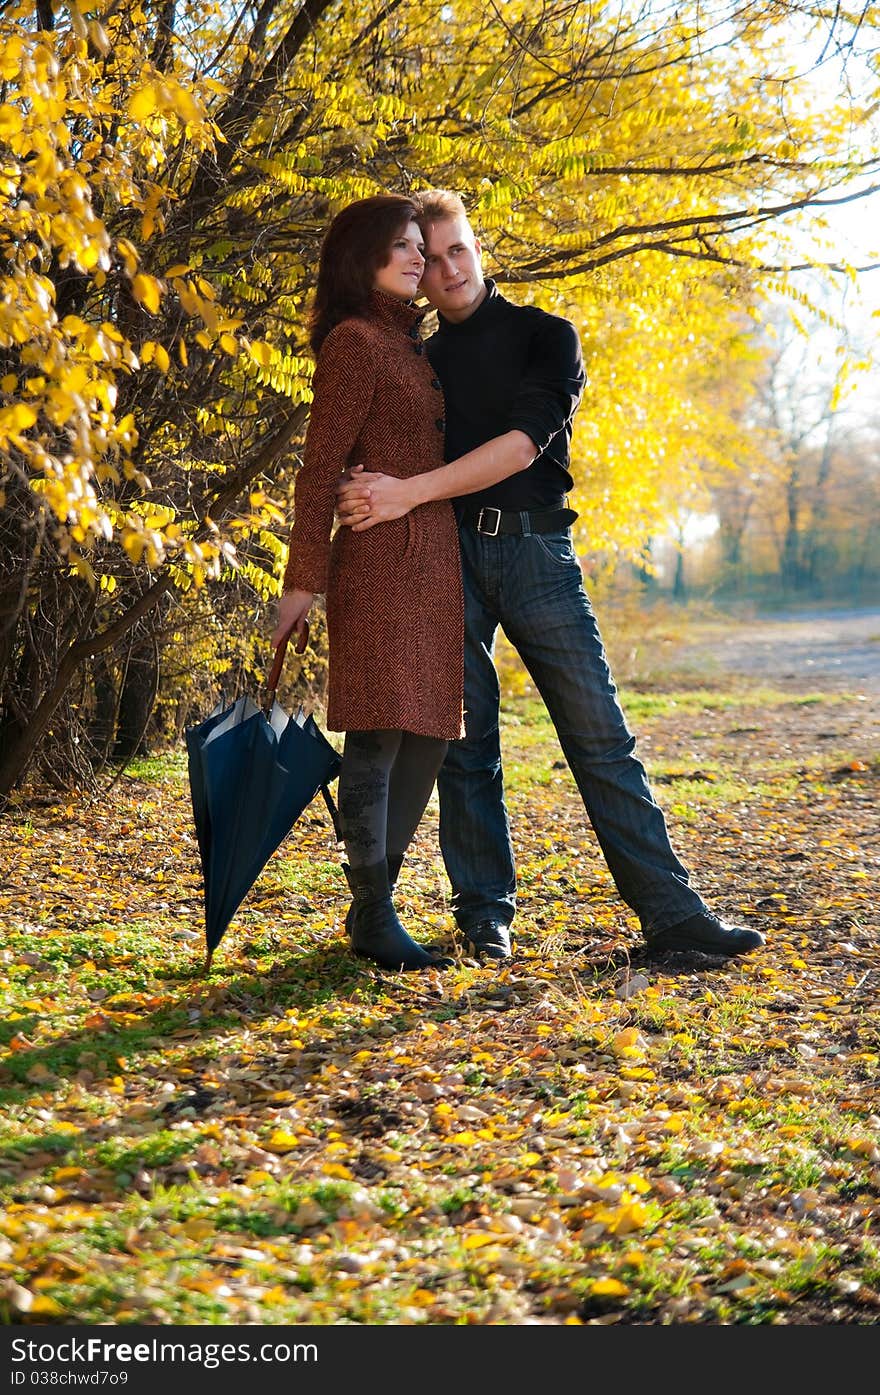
x: 252, y: 772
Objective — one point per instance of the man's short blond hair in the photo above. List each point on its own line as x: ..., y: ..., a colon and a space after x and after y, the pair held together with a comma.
x: 437, y: 204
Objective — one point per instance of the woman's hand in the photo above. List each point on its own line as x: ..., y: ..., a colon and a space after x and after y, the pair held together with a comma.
x: 366, y: 499
x: 293, y: 609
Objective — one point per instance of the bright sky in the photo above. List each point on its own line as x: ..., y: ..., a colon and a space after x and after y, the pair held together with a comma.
x: 852, y: 230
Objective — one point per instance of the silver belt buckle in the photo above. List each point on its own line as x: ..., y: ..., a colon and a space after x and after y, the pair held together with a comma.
x: 491, y: 532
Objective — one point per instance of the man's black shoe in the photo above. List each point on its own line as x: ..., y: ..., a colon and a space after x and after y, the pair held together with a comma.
x: 706, y: 933
x: 488, y: 939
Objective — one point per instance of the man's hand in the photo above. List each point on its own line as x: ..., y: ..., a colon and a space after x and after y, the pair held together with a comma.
x: 353, y: 496
x: 365, y: 499
x: 293, y: 609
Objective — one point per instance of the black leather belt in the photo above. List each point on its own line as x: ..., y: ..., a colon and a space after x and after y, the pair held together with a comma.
x: 495, y: 521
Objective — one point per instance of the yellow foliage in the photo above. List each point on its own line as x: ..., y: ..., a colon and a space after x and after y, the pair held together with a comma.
x: 554, y: 182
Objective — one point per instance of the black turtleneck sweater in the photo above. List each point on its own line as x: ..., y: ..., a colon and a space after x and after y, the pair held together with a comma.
x: 511, y: 368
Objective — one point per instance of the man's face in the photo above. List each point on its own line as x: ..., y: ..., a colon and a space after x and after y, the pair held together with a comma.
x: 453, y: 275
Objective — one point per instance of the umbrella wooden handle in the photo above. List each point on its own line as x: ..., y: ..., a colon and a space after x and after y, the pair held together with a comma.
x: 278, y: 663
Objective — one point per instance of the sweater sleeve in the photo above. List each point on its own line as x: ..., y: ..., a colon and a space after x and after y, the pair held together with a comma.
x: 343, y: 388
x: 552, y: 384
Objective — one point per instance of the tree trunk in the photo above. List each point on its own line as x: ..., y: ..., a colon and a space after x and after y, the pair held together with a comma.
x: 818, y: 546
x: 679, y: 589
x: 21, y: 750
x: 103, y: 724
x: 792, y: 572
x: 139, y: 688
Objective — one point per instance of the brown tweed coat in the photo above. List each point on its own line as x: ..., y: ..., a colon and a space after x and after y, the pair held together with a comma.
x: 394, y: 593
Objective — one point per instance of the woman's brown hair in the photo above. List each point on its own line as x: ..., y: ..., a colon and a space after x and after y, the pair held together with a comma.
x: 356, y: 244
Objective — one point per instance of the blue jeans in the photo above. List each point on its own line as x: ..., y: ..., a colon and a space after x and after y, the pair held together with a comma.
x: 532, y: 587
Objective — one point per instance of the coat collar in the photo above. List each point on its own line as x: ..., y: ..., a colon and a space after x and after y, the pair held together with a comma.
x: 395, y: 313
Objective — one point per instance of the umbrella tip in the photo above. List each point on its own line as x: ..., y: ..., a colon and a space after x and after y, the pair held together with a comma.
x: 208, y: 957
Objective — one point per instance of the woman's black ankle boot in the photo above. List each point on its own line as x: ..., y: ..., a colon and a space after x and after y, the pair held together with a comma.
x: 395, y: 862
x: 373, y: 926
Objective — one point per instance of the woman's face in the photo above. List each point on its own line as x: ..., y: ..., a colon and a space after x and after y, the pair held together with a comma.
x: 406, y: 262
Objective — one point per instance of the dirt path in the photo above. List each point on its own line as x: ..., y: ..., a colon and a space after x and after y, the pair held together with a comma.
x: 803, y: 648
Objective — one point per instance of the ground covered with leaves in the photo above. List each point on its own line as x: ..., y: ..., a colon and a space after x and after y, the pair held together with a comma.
x: 585, y: 1135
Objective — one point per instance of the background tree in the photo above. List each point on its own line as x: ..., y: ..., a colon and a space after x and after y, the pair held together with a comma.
x: 795, y: 522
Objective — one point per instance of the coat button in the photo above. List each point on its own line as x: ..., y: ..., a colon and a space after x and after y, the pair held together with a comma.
x: 419, y: 348
x: 436, y: 383
x: 413, y: 332
x: 441, y: 424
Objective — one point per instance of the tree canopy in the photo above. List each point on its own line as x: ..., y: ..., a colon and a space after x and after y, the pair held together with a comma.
x: 167, y: 170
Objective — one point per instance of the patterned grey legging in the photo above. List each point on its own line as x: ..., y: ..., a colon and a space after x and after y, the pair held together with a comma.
x: 384, y: 785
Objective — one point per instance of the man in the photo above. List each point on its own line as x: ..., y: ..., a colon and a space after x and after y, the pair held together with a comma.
x: 512, y: 378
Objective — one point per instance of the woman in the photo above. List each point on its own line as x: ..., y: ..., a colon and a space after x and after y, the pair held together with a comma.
x: 394, y: 594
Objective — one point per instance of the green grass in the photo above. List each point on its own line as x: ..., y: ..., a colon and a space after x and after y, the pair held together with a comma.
x: 159, y: 769
x: 529, y: 711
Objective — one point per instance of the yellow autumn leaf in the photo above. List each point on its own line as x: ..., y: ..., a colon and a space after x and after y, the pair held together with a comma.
x: 17, y: 418
x: 45, y: 1306
x: 134, y: 544
x: 82, y: 568
x: 629, y: 1217
x: 147, y: 291
x: 608, y: 1288
x: 626, y: 1040
x: 479, y: 1238
x: 281, y: 1142
x: 143, y: 102
x: 332, y: 1169
x: 638, y: 1184
x: 862, y: 1146
x: 257, y: 1176
x: 10, y: 58
x: 197, y: 1229
x: 260, y: 352
x: 675, y: 1123
x: 11, y: 121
